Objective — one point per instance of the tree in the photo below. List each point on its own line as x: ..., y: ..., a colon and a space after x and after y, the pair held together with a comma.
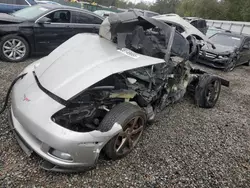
x: 214, y: 9
x: 165, y: 6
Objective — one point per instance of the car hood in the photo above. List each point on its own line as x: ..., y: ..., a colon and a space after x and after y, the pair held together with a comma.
x: 219, y: 49
x: 9, y: 18
x: 84, y: 60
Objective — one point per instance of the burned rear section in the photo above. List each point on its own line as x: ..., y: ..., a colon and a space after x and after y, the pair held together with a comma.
x: 152, y: 87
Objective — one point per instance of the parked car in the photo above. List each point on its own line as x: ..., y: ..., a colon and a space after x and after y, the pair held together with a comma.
x: 103, y: 13
x: 42, y: 28
x: 183, y: 26
x: 48, y: 2
x: 187, y: 30
x: 231, y: 50
x: 10, y: 6
x: 199, y: 23
x: 146, y: 13
x: 70, y: 118
x: 213, y: 30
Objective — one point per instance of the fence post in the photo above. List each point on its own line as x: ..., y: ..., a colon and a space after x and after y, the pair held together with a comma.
x: 243, y: 25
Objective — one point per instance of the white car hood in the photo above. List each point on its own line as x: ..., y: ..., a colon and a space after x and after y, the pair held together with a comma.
x: 84, y: 60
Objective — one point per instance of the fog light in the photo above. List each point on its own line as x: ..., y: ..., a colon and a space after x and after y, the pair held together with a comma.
x: 60, y: 154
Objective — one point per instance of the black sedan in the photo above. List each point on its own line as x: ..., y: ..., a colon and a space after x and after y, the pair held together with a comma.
x: 40, y: 29
x: 231, y: 50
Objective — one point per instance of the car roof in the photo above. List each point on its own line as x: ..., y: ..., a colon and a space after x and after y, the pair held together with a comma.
x: 55, y: 6
x: 141, y: 10
x: 49, y: 2
x: 193, y: 18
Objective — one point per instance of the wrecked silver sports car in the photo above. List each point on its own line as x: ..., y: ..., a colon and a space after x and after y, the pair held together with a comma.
x: 96, y: 93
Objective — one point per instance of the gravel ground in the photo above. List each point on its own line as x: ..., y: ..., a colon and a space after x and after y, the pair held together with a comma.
x: 186, y: 147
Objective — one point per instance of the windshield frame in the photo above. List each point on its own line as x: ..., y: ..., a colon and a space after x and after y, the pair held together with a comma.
x: 33, y: 7
x: 229, y: 36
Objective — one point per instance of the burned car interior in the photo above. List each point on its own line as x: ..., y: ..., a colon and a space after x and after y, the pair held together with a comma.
x: 152, y: 87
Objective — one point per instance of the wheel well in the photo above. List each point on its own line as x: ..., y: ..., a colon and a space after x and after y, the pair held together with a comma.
x: 31, y: 49
x: 20, y: 35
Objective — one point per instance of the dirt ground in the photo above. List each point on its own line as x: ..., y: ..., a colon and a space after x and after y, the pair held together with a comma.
x: 186, y: 147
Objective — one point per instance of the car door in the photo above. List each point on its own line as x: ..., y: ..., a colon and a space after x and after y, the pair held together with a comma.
x: 245, y: 52
x: 85, y: 22
x: 50, y: 34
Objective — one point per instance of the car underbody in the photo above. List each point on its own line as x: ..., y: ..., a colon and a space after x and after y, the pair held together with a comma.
x: 139, y: 68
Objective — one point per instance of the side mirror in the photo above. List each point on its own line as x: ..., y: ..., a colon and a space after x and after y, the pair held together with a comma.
x: 44, y: 20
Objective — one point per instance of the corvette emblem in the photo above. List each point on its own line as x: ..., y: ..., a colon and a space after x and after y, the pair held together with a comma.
x: 25, y: 98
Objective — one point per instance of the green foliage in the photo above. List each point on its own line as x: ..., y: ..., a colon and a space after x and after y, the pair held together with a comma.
x: 165, y: 6
x: 238, y: 10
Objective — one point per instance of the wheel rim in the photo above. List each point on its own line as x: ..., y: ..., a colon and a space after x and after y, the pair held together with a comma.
x: 232, y: 65
x: 14, y: 49
x: 213, y: 91
x: 129, y: 137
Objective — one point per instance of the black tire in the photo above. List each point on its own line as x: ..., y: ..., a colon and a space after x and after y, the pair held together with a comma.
x: 248, y: 63
x: 24, y: 43
x: 207, y: 91
x: 123, y: 114
x: 231, y: 65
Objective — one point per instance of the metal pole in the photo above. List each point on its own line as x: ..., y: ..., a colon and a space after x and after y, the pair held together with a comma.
x: 243, y: 25
x: 170, y: 43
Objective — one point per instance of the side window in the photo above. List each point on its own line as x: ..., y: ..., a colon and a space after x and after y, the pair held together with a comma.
x: 178, y: 28
x: 21, y: 2
x: 246, y: 45
x: 84, y: 18
x: 204, y: 23
x: 60, y: 16
x: 11, y: 2
x: 194, y: 23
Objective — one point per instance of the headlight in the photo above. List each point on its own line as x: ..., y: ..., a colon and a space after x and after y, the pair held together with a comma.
x: 223, y: 57
x: 60, y: 154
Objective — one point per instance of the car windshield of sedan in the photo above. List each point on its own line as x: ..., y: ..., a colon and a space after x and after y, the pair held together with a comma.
x: 226, y: 40
x: 30, y: 12
x: 212, y: 31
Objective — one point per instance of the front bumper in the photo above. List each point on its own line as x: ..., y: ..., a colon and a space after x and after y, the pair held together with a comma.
x: 29, y: 144
x: 215, y: 63
x: 87, y: 152
x: 30, y: 118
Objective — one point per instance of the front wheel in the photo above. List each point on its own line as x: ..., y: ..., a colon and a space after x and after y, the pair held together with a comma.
x: 207, y: 91
x: 133, y: 120
x: 14, y: 48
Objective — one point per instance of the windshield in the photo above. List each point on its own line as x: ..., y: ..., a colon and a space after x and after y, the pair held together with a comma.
x: 212, y: 31
x: 226, y: 40
x: 30, y: 12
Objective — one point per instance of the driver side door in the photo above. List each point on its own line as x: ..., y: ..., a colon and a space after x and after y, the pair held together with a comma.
x: 245, y: 52
x: 50, y: 34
